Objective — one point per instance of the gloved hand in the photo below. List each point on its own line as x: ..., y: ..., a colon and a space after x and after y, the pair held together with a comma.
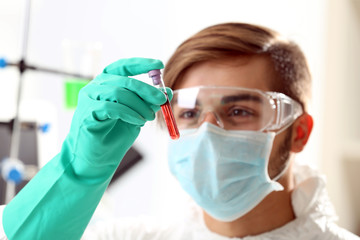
x: 60, y: 200
x: 110, y: 112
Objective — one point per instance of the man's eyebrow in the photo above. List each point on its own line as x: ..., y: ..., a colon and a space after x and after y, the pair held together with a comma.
x: 241, y: 97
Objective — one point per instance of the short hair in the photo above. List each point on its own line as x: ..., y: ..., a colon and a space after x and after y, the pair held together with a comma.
x: 239, y: 39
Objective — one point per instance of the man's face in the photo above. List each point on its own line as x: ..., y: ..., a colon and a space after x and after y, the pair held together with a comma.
x: 248, y: 72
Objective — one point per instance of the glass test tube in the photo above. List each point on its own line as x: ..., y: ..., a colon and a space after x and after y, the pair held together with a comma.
x: 157, y: 81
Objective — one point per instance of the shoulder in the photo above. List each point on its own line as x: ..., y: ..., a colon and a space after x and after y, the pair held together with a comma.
x: 315, y: 215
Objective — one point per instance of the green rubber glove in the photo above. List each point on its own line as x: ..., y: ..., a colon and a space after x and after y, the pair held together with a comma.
x: 60, y: 200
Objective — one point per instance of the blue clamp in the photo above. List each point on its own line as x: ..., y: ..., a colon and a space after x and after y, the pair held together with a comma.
x: 12, y: 170
x: 15, y: 176
x: 3, y: 63
x: 44, y: 128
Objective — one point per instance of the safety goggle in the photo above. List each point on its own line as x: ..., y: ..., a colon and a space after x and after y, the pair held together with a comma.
x: 234, y: 108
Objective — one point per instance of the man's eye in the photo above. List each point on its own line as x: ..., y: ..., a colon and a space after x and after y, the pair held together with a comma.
x: 188, y: 114
x: 240, y: 112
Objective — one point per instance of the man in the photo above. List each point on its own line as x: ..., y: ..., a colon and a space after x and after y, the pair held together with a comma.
x: 240, y: 104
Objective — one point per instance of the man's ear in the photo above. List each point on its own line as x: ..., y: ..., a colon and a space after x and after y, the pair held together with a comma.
x: 301, y: 131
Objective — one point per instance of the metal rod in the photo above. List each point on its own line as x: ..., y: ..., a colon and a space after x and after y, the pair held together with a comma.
x: 10, y: 191
x: 54, y: 71
x: 49, y: 70
x: 26, y: 28
x: 15, y: 137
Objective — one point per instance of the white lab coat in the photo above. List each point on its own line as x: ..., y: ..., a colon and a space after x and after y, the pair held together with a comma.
x: 315, y: 219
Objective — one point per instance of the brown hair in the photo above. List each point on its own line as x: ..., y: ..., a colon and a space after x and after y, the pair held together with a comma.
x: 239, y: 39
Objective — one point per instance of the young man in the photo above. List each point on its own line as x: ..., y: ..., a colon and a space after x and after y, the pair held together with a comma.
x: 240, y: 103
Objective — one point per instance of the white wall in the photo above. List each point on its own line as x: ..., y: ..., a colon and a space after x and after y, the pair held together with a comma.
x: 341, y: 132
x: 151, y: 29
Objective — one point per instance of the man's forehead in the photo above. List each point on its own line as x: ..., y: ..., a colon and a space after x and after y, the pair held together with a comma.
x: 249, y: 72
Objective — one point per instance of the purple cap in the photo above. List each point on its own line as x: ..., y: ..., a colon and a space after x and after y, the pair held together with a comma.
x: 155, y: 75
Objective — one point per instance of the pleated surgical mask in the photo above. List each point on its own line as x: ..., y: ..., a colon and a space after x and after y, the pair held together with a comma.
x: 224, y: 171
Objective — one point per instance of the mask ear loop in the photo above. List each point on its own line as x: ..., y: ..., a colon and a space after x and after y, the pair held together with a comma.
x: 296, y: 111
x: 277, y: 177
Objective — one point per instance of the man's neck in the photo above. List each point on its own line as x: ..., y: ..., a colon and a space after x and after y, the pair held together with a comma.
x: 271, y: 213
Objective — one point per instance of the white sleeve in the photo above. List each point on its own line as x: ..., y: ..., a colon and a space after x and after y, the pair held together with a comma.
x: 129, y: 229
x: 113, y: 229
x: 2, y: 233
x: 337, y: 233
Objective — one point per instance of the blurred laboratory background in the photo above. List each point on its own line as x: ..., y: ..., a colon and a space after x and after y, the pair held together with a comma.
x: 84, y: 36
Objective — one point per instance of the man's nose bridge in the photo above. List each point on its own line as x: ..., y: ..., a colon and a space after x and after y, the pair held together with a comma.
x: 211, y: 116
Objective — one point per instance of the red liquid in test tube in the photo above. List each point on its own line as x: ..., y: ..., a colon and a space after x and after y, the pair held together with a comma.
x: 155, y: 75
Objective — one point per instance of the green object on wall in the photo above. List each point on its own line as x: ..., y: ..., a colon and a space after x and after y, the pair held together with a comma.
x: 72, y: 87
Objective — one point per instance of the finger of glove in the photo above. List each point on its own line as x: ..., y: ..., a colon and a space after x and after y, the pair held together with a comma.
x: 133, y: 66
x: 116, y: 111
x: 170, y: 93
x: 147, y: 92
x: 124, y: 97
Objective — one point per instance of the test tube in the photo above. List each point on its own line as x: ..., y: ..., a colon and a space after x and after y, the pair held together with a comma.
x: 157, y: 81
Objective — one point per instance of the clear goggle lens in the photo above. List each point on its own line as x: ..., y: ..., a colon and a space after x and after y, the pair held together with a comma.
x: 234, y: 108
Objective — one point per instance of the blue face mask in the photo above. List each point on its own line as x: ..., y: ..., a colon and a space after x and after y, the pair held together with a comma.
x: 225, y: 172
